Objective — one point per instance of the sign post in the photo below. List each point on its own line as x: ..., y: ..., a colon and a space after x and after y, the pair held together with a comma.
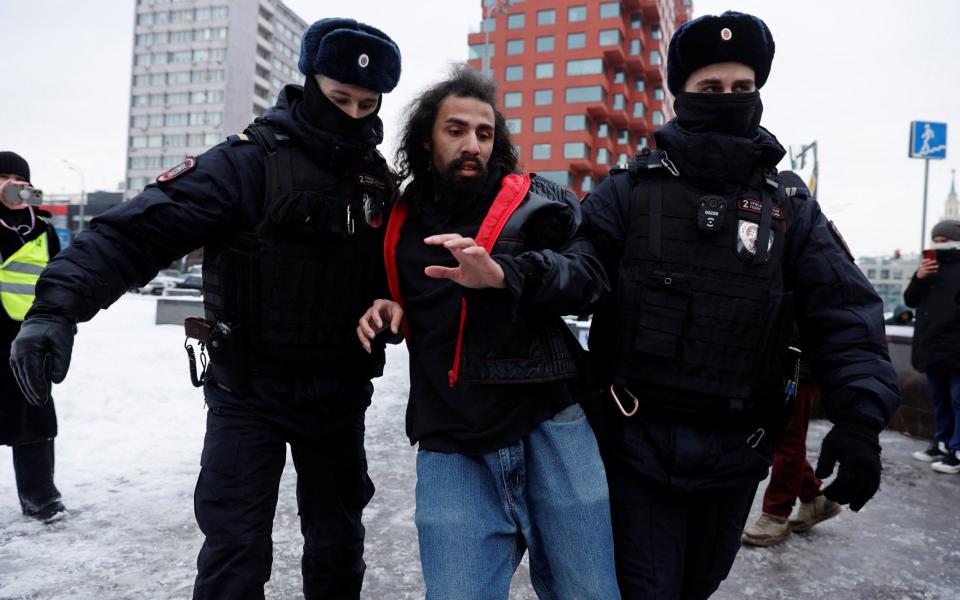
x: 927, y: 140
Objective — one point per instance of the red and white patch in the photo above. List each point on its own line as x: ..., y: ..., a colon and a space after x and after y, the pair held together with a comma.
x: 840, y: 240
x: 725, y: 34
x: 755, y: 206
x: 363, y: 61
x: 184, y: 167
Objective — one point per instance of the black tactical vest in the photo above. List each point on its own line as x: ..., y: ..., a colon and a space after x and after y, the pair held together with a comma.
x: 702, y: 313
x: 293, y: 289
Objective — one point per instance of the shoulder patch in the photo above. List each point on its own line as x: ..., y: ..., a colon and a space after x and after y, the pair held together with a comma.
x: 238, y: 138
x: 184, y: 167
x: 843, y: 243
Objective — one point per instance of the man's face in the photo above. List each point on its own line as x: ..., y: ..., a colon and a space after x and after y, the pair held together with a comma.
x: 356, y: 101
x: 721, y: 78
x: 462, y: 140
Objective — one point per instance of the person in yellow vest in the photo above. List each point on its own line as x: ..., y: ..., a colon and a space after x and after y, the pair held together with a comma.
x: 27, y: 242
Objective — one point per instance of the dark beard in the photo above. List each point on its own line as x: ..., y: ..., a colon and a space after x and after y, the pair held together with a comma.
x: 448, y: 185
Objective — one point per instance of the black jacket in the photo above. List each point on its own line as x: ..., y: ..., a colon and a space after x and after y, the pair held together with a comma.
x: 936, y: 335
x: 206, y: 204
x: 20, y: 422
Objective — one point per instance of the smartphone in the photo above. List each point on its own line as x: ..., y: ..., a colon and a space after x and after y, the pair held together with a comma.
x: 930, y: 254
x: 22, y: 194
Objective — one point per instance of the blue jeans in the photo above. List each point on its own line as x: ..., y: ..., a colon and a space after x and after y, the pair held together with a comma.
x: 945, y: 388
x: 476, y: 515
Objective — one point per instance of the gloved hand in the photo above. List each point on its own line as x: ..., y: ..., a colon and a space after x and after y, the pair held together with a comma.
x: 41, y: 353
x: 857, y: 448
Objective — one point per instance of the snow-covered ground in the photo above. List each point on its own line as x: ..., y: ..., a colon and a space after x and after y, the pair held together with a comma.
x: 131, y: 430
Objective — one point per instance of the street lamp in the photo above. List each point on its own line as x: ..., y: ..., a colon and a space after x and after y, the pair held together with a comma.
x: 83, y: 191
x: 490, y: 7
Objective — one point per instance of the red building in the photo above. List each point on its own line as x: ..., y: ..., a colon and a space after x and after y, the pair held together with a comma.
x: 581, y: 81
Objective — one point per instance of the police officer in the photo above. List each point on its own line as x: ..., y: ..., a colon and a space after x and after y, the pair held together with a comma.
x: 27, y: 242
x: 712, y: 256
x: 291, y: 216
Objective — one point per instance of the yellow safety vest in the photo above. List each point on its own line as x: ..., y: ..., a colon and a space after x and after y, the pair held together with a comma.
x: 19, y: 275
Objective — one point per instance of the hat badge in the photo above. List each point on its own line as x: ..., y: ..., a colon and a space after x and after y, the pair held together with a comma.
x: 363, y: 61
x: 725, y: 34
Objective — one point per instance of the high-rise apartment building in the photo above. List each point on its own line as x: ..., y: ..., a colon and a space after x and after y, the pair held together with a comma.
x: 203, y: 69
x: 581, y: 82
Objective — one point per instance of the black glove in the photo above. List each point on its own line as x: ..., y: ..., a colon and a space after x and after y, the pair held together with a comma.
x: 857, y: 448
x: 40, y: 354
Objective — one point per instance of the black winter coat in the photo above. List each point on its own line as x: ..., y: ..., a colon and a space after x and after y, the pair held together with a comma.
x: 20, y: 422
x: 936, y: 334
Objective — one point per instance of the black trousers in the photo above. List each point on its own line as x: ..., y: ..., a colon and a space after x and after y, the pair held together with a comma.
x: 244, y: 452
x: 33, y: 469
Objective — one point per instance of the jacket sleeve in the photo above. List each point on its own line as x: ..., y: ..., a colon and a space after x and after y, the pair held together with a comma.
x: 605, y: 214
x: 127, y: 245
x: 563, y: 274
x: 915, y: 291
x: 840, y: 317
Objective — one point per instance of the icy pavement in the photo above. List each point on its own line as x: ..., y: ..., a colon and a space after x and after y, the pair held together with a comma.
x: 131, y: 429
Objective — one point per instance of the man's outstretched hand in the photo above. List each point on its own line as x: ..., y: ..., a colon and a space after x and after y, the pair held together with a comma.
x: 476, y: 268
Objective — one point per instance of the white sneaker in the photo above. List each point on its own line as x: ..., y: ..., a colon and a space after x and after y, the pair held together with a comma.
x: 816, y: 511
x: 950, y: 464
x: 936, y: 451
x: 767, y: 531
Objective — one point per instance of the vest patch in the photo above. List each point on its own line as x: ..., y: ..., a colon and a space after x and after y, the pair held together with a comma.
x: 184, y: 167
x: 747, y: 232
x: 371, y: 181
x: 755, y: 206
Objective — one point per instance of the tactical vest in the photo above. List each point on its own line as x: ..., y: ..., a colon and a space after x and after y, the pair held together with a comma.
x: 19, y: 274
x: 293, y: 288
x: 703, y: 316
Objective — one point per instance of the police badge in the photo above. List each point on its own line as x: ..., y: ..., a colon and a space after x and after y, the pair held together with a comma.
x: 747, y: 232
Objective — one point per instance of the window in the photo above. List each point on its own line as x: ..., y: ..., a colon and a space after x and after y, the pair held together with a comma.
x: 576, y: 123
x: 658, y: 93
x: 514, y: 47
x: 586, y: 66
x: 576, y: 40
x: 884, y: 273
x: 619, y: 75
x: 636, y: 47
x: 141, y: 100
x: 544, y: 71
x: 608, y: 10
x: 516, y: 21
x: 655, y: 32
x: 622, y: 159
x: 589, y: 93
x: 545, y: 43
x: 172, y: 141
x: 654, y: 57
x: 209, y: 139
x: 636, y: 21
x: 514, y: 73
x: 175, y: 119
x: 178, y: 78
x: 610, y: 37
x: 575, y: 14
x: 179, y: 37
x: 541, y: 152
x: 546, y: 17
x: 871, y: 273
x: 623, y: 136
x: 476, y: 50
x: 195, y: 139
x: 512, y: 99
x: 619, y: 102
x: 543, y: 97
x: 603, y: 156
x: 558, y: 177
x: 488, y: 24
x: 639, y: 85
x: 513, y: 125
x: 639, y: 110
x: 642, y: 143
x: 542, y: 124
x: 603, y: 130
x: 586, y: 185
x: 657, y: 117
x: 575, y: 150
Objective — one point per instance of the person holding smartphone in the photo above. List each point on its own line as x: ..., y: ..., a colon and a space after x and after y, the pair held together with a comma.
x: 935, y: 292
x: 27, y: 242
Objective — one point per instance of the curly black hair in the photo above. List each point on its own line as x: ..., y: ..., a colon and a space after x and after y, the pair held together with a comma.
x: 413, y: 160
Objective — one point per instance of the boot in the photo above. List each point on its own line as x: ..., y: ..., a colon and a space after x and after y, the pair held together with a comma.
x: 767, y: 531
x: 813, y: 512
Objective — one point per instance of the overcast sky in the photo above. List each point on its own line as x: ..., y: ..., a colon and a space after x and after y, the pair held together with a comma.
x: 849, y: 74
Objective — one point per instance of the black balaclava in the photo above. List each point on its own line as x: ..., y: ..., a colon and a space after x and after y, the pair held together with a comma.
x: 736, y: 114
x: 323, y: 114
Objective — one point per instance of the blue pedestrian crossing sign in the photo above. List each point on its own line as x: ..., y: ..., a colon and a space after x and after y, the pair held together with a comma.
x: 928, y: 139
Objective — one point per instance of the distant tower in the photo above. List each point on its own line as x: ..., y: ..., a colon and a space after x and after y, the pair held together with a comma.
x: 952, y: 206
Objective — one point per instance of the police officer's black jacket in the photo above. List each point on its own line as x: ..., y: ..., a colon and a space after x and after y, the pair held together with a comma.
x: 725, y: 307
x: 518, y: 361
x: 280, y: 267
x: 936, y: 335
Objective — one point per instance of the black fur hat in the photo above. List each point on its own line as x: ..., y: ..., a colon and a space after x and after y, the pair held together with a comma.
x: 350, y: 52
x: 710, y: 39
x: 12, y: 163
